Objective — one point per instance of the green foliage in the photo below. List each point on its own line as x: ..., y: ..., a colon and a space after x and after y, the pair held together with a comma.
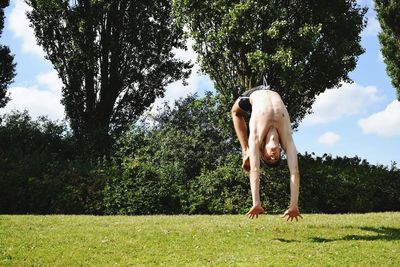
x: 339, y: 185
x: 192, y: 142
x: 389, y: 18
x: 142, y: 188
x: 305, y: 47
x: 40, y: 171
x: 113, y: 57
x: 274, y: 188
x: 223, y: 190
x: 177, y: 144
x: 24, y: 150
x: 183, y: 159
x: 7, y: 66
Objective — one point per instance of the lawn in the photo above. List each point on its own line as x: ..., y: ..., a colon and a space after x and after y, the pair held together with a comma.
x: 318, y: 240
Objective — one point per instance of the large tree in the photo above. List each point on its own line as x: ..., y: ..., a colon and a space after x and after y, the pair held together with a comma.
x: 113, y: 57
x: 389, y: 18
x: 7, y: 67
x: 305, y: 47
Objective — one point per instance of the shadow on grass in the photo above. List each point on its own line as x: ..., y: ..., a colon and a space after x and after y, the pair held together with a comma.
x: 382, y: 233
x: 285, y: 240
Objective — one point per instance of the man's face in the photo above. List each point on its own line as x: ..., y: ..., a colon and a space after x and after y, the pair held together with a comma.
x: 272, y: 152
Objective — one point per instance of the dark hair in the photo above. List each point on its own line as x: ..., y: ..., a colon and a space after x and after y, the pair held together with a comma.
x: 274, y: 164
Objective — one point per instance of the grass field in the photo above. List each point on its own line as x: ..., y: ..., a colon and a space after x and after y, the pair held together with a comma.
x: 319, y: 240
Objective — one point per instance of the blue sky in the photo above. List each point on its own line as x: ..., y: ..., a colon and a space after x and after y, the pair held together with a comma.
x: 362, y: 118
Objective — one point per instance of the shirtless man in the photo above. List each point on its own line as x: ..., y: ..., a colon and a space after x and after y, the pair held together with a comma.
x: 270, y: 131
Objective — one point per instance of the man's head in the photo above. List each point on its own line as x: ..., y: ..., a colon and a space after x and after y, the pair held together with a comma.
x: 271, y: 149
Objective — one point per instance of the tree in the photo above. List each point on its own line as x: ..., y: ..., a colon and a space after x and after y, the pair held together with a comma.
x: 113, y: 57
x: 303, y: 46
x: 7, y: 67
x: 389, y: 18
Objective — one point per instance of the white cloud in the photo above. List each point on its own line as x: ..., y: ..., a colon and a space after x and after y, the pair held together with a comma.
x: 348, y: 100
x: 38, y: 102
x: 51, y: 80
x: 188, y: 54
x: 385, y: 123
x: 177, y: 90
x: 329, y: 139
x: 373, y: 27
x: 19, y: 25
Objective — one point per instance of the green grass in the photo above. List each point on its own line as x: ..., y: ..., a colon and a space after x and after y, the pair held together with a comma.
x: 319, y: 240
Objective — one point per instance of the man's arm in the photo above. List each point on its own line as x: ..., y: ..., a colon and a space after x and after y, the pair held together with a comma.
x: 291, y: 154
x: 254, y: 153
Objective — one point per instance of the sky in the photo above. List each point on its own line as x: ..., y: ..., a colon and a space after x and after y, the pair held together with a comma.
x: 358, y: 119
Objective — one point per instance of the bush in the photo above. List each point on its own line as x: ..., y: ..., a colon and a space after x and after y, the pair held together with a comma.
x: 341, y: 185
x: 223, y: 190
x: 142, y: 188
x: 41, y: 170
x: 185, y: 160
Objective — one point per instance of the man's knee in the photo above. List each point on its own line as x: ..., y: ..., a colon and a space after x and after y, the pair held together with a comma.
x: 235, y: 112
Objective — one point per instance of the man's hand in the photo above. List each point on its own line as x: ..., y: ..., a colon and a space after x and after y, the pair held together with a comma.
x: 255, y: 211
x: 292, y: 213
x: 246, y: 161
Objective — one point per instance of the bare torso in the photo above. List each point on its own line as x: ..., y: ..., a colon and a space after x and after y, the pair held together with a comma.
x: 268, y: 110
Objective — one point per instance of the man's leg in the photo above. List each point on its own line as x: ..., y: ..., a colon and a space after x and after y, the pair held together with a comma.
x: 241, y: 131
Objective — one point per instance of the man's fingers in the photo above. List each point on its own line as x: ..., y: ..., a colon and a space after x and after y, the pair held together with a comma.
x: 291, y: 218
x: 251, y: 214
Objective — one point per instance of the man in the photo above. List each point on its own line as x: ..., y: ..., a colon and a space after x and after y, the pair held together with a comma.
x: 270, y: 131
